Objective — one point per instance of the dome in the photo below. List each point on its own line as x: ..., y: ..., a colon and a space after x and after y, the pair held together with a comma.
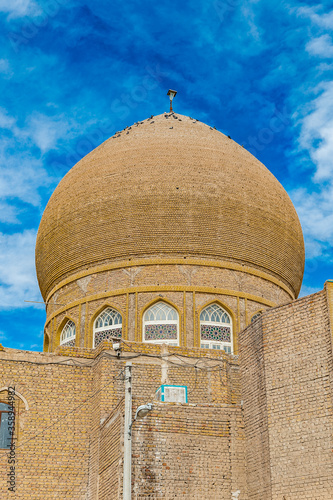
x: 169, y: 186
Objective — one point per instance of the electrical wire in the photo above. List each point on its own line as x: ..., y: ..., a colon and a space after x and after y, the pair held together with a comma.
x: 78, y: 362
x: 181, y: 363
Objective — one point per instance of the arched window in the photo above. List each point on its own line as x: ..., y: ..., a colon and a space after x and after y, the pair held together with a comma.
x: 6, y: 425
x: 161, y: 324
x: 67, y: 336
x: 12, y: 405
x: 216, y: 328
x: 256, y: 316
x: 108, y: 324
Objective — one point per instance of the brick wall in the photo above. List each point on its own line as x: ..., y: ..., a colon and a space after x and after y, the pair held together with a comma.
x: 255, y: 406
x: 286, y: 360
x: 52, y: 450
x: 186, y: 452
x: 70, y: 424
x: 110, y: 455
x: 70, y: 442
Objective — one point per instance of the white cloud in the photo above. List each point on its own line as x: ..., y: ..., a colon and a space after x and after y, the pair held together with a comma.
x: 323, y: 67
x: 6, y: 121
x: 18, y: 280
x: 46, y: 131
x: 19, y: 8
x: 317, y: 133
x: 3, y: 336
x: 4, y: 65
x: 20, y: 177
x: 322, y: 20
x: 250, y: 17
x: 43, y: 131
x: 322, y: 46
x: 21, y: 174
x: 8, y: 213
x: 308, y: 290
x: 315, y: 210
x: 5, y: 68
x: 315, y: 203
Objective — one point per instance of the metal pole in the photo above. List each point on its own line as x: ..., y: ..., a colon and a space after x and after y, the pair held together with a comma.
x: 127, y: 480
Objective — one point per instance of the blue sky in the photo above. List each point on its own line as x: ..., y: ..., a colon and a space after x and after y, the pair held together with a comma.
x: 72, y: 72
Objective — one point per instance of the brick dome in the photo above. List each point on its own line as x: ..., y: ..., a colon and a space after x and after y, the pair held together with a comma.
x: 169, y: 186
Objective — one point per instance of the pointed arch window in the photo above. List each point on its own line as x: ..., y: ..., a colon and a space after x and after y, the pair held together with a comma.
x: 161, y: 324
x: 12, y: 406
x: 108, y: 324
x: 67, y: 336
x: 7, y: 417
x: 256, y: 316
x: 216, y: 328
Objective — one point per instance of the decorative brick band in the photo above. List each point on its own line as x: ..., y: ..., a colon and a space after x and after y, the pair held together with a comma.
x: 173, y: 261
x: 161, y: 288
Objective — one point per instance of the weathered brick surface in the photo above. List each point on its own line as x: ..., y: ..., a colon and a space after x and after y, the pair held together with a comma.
x: 52, y: 450
x: 110, y: 455
x: 175, y: 453
x: 70, y: 441
x: 255, y: 406
x: 198, y: 228
x: 286, y: 363
x: 70, y: 437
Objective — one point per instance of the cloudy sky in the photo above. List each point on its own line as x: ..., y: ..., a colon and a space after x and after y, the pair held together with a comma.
x: 72, y: 72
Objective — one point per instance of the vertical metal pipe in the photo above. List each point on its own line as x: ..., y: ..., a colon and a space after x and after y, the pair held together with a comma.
x: 127, y: 479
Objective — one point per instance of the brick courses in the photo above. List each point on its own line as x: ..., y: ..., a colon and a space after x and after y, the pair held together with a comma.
x: 70, y: 441
x: 286, y: 364
x: 185, y: 191
x: 267, y: 434
x: 177, y: 213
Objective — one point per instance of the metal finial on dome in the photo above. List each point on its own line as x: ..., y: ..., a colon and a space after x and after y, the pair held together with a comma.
x: 171, y: 94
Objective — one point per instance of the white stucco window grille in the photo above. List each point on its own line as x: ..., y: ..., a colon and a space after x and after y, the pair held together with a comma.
x: 216, y: 329
x: 161, y: 324
x: 67, y: 336
x: 107, y: 325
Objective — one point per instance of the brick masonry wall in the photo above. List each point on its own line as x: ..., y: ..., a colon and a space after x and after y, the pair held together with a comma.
x: 71, y: 434
x: 163, y: 274
x: 187, y: 452
x: 52, y: 450
x: 255, y: 405
x: 286, y: 364
x: 110, y: 455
